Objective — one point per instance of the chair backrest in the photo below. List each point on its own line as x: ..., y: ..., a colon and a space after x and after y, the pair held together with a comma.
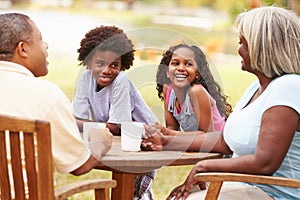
x: 25, y: 159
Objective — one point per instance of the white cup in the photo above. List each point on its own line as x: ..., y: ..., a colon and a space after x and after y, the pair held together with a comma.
x: 131, y: 136
x: 87, y: 126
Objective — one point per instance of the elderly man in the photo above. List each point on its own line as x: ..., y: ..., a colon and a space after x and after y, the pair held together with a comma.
x: 23, y: 56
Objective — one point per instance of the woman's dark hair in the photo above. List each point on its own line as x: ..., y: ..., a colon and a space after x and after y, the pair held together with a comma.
x: 205, y: 77
x: 106, y: 38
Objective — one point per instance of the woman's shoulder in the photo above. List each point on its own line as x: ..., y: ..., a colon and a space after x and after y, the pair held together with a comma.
x: 287, y: 83
x: 288, y: 78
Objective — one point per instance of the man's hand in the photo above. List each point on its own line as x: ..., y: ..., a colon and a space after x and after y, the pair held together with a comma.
x: 100, y: 142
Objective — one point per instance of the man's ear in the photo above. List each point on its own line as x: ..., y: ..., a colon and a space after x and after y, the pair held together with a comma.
x: 21, y: 49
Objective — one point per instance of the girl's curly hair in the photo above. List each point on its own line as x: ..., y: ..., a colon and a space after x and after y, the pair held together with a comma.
x: 205, y: 77
x: 106, y: 38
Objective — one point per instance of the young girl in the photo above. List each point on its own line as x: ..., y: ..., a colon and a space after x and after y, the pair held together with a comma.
x: 192, y: 99
x: 104, y: 92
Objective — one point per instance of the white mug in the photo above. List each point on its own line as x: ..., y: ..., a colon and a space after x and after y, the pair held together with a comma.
x: 131, y: 136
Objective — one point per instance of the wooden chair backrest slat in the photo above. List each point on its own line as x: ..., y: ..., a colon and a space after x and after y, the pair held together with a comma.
x: 16, y: 165
x: 31, y: 167
x: 4, y: 178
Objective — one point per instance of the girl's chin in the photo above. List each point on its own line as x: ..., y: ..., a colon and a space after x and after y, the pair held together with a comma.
x: 181, y: 84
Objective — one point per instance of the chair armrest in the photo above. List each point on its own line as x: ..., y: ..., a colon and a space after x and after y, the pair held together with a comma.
x: 66, y: 191
x: 216, y: 180
x: 261, y: 179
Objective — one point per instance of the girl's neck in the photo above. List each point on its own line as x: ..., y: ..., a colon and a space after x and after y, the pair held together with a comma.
x: 180, y: 94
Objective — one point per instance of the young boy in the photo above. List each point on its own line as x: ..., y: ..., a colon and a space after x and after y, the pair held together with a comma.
x: 104, y: 92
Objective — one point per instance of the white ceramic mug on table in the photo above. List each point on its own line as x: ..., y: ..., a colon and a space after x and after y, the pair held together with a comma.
x: 131, y: 135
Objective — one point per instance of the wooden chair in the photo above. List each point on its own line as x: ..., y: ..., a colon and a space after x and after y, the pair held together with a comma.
x: 216, y: 180
x: 26, y: 164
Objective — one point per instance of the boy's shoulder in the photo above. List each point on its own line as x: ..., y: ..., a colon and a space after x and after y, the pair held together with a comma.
x: 122, y: 78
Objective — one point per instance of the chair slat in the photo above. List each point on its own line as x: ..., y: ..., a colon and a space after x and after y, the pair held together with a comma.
x: 16, y: 164
x: 45, y: 176
x: 30, y: 164
x: 4, y: 178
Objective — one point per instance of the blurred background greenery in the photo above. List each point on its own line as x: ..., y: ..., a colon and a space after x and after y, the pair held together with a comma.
x: 153, y: 26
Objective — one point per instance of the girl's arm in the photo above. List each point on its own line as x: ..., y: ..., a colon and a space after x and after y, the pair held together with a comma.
x: 171, y: 122
x: 200, y: 100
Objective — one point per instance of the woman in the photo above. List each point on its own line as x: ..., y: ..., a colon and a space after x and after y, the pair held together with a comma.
x: 263, y: 130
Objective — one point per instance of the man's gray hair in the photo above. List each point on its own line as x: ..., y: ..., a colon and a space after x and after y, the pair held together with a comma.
x: 14, y: 27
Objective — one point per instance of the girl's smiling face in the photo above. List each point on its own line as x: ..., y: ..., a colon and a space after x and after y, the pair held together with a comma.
x: 105, y: 66
x: 182, y: 69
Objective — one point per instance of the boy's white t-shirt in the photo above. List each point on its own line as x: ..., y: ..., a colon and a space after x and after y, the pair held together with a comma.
x: 118, y: 102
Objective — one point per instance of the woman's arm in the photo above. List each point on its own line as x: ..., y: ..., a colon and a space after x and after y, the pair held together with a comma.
x: 192, y: 141
x: 278, y: 127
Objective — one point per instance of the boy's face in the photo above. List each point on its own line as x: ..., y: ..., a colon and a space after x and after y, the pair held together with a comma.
x: 105, y: 66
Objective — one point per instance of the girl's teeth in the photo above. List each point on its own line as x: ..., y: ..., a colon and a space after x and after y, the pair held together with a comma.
x: 180, y: 76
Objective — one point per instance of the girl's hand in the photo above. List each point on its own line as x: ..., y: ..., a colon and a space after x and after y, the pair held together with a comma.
x: 183, y: 190
x: 154, y: 140
x: 157, y: 125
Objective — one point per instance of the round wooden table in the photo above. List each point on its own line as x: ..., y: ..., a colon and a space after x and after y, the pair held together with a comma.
x: 126, y: 165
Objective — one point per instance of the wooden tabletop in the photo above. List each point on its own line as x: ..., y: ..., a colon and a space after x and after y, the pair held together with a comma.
x: 126, y: 165
x: 145, y: 161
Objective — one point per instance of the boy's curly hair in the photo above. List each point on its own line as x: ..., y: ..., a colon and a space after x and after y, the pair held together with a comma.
x: 106, y: 38
x: 205, y: 77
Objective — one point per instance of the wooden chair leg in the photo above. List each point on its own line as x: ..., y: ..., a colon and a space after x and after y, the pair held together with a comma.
x: 213, y: 190
x: 102, y: 194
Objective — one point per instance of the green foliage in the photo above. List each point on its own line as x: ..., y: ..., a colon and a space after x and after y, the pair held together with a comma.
x: 195, y: 3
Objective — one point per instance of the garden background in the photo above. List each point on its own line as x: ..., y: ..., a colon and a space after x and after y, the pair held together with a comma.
x: 153, y: 26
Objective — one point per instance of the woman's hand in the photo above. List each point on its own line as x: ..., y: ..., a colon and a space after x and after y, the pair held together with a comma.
x: 183, y: 190
x: 154, y: 139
